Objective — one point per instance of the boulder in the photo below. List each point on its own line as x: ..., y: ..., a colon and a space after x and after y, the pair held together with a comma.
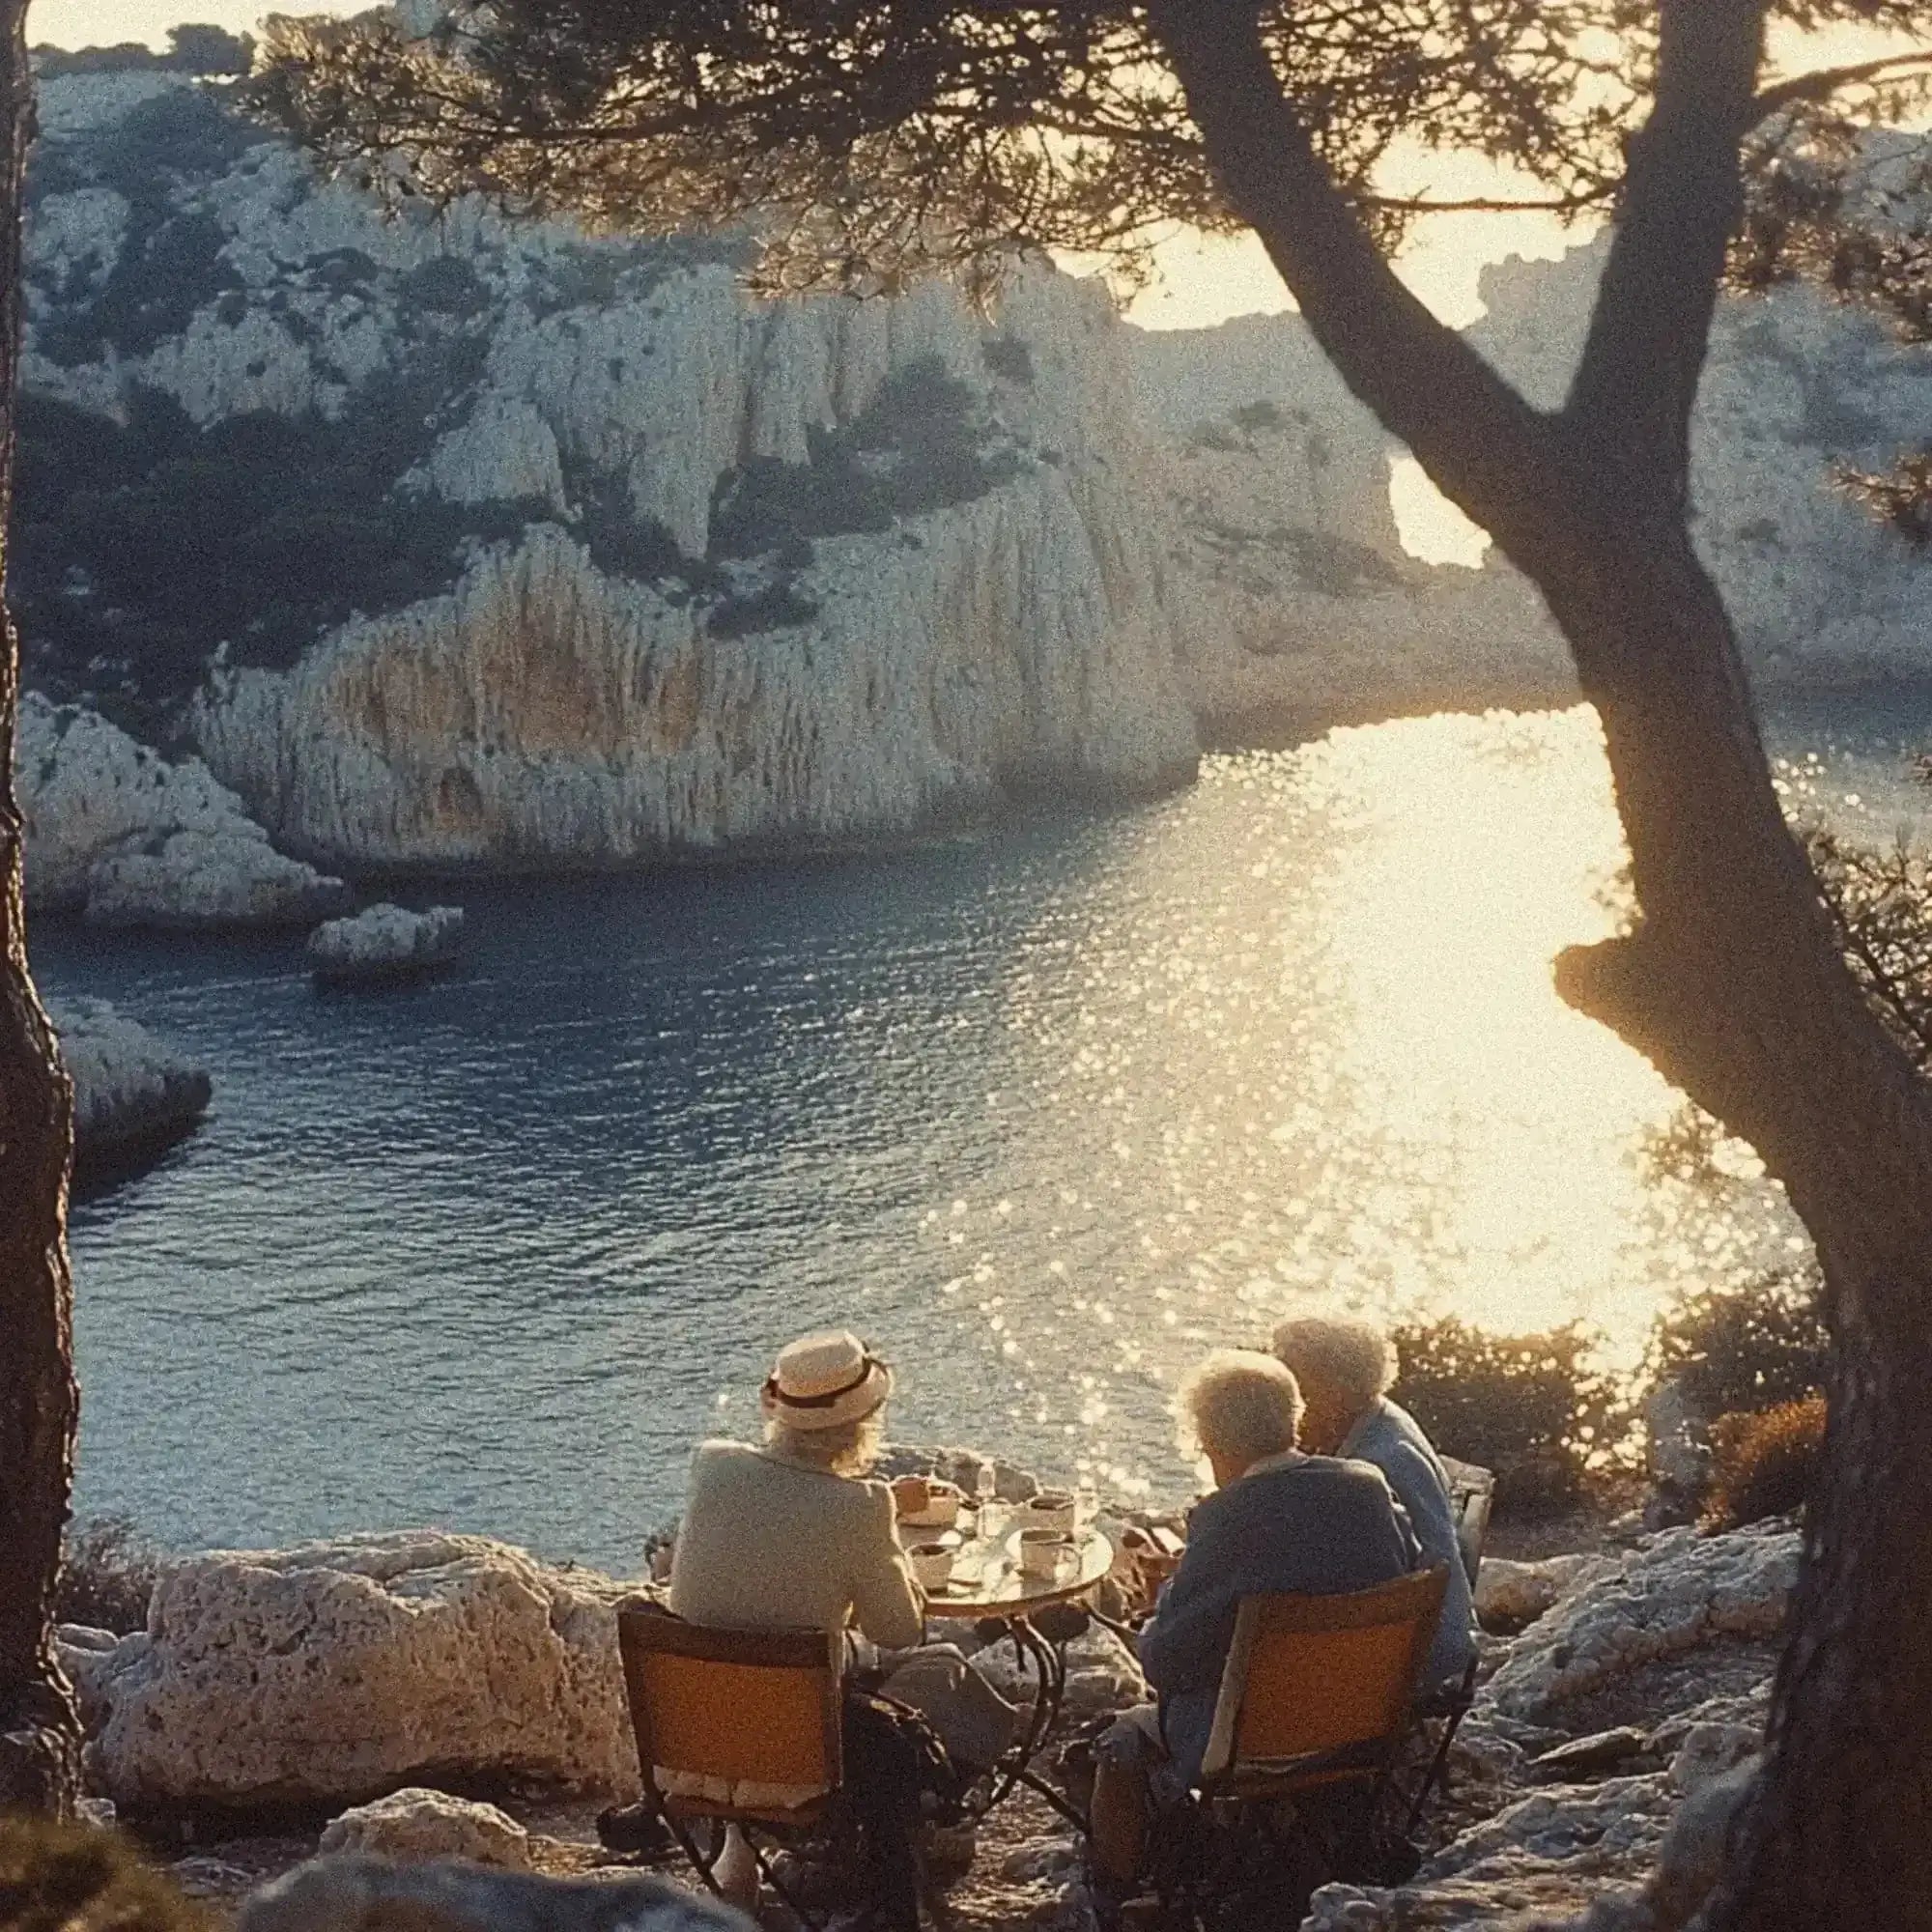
x: 384, y: 945
x: 334, y: 1672
x: 358, y: 1892
x: 117, y: 833
x: 1510, y: 1595
x: 417, y: 1823
x: 1601, y: 1750
x: 1679, y: 1452
x: 90, y: 1658
x: 1103, y: 1676
x: 134, y: 1095
x: 1677, y: 1592
x: 1548, y: 1855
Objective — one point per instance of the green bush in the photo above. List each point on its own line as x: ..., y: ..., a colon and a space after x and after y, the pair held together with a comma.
x: 1764, y: 1464
x: 921, y: 445
x: 1532, y: 1407
x: 141, y: 546
x: 1744, y: 1348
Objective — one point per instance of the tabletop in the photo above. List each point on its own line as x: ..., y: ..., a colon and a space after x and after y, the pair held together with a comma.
x: 987, y: 1579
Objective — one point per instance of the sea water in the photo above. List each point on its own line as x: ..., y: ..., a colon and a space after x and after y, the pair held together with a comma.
x: 1043, y: 1111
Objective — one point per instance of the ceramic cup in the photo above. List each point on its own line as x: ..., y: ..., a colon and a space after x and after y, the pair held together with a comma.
x: 931, y: 1563
x: 942, y: 1507
x: 1040, y: 1550
x: 1051, y: 1510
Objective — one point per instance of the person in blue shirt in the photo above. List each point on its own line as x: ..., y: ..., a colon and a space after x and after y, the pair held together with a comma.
x: 1345, y: 1369
x: 1278, y: 1521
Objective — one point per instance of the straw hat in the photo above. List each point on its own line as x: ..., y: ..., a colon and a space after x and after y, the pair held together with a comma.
x: 825, y: 1381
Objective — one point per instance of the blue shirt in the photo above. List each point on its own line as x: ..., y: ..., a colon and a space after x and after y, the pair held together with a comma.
x: 1392, y: 1439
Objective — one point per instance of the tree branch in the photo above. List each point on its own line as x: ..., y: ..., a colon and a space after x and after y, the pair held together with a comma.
x: 1484, y: 448
x: 1636, y: 383
x: 1823, y: 82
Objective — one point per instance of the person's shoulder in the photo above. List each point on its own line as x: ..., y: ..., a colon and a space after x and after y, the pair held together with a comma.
x: 1349, y: 1477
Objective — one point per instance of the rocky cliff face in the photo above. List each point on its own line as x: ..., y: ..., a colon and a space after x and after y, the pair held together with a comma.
x: 709, y: 571
x: 462, y: 542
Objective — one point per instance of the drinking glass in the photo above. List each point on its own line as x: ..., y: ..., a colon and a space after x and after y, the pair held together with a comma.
x: 992, y: 1514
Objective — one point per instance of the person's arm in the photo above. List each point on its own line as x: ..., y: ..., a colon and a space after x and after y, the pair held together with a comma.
x: 886, y: 1601
x: 1187, y: 1642
x: 1425, y: 1504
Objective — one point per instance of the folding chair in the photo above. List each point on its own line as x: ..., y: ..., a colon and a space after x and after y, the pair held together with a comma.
x: 736, y: 1727
x: 1317, y: 1694
x: 1473, y: 1493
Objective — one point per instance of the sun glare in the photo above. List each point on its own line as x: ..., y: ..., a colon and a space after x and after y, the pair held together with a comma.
x: 1431, y: 527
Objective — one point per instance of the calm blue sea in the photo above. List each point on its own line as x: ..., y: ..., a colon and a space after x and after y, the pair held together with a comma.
x: 1043, y: 1110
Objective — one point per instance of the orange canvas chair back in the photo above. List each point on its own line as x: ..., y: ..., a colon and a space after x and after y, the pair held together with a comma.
x: 733, y: 1719
x: 1320, y: 1688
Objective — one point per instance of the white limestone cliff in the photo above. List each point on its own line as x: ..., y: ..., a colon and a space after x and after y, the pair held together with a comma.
x: 117, y: 833
x: 1140, y: 540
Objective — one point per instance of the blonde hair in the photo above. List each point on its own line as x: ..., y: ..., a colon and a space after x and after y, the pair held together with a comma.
x: 1350, y: 1360
x: 848, y: 1450
x: 1239, y: 1406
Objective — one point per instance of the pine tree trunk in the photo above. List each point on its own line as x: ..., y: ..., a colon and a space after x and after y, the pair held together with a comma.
x: 39, y: 1735
x: 1733, y: 986
x: 1730, y: 983
x: 1842, y: 1817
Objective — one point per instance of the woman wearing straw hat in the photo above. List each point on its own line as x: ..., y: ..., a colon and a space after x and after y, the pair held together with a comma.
x: 792, y: 1536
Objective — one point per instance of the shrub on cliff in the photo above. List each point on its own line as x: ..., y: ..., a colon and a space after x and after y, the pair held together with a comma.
x: 1763, y: 1463
x: 1745, y: 1348
x: 73, y: 1878
x: 1532, y: 1407
x: 107, y: 1576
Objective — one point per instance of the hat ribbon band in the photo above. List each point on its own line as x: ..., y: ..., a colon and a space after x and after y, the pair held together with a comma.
x: 832, y: 1396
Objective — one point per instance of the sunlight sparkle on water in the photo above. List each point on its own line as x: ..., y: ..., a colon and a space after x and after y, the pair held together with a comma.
x: 1346, y: 1079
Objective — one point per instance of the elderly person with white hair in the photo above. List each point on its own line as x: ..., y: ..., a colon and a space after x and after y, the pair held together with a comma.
x: 1345, y: 1369
x: 1278, y: 1521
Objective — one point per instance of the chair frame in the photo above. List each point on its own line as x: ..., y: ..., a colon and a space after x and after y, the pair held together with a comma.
x: 1247, y: 1799
x: 645, y: 1628
x: 1472, y: 1491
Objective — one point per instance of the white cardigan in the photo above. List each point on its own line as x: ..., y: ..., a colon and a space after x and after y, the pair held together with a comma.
x: 768, y: 1544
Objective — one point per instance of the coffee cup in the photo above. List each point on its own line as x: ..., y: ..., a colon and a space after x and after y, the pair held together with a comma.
x: 1040, y: 1550
x: 942, y: 1507
x: 931, y: 1563
x: 1052, y: 1510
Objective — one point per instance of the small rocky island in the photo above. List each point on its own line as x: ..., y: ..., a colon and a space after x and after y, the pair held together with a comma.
x: 135, y: 1095
x: 385, y: 945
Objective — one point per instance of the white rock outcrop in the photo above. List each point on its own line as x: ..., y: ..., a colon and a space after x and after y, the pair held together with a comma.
x: 1134, y: 540
x: 117, y: 833
x: 334, y: 1672
x: 1510, y: 1595
x: 1677, y: 1592
x: 384, y: 943
x: 134, y: 1095
x: 418, y: 1823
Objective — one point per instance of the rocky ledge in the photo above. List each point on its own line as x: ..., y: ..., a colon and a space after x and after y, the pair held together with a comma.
x: 134, y: 1095
x: 121, y: 836
x: 384, y: 945
x: 1607, y: 1747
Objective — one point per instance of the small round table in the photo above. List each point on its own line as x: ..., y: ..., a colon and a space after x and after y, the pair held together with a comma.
x: 988, y: 1584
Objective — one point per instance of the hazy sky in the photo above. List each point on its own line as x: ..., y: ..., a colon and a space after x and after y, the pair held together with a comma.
x: 1202, y: 282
